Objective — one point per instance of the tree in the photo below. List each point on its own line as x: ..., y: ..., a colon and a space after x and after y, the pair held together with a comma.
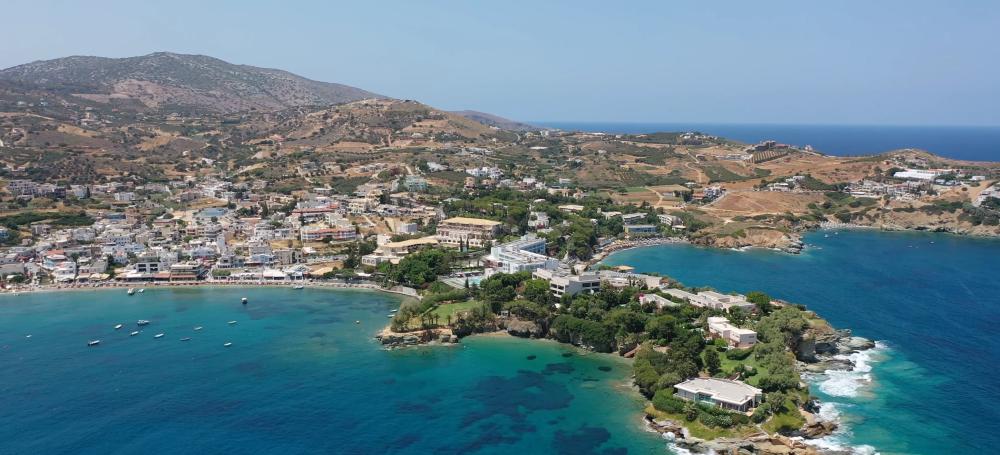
x: 537, y: 291
x: 712, y: 362
x: 761, y: 300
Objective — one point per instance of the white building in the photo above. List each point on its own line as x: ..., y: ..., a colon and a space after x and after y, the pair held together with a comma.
x: 917, y: 174
x: 563, y: 283
x: 723, y: 393
x: 639, y: 230
x: 473, y: 232
x: 711, y: 299
x: 526, y: 254
x: 720, y: 327
x: 658, y: 300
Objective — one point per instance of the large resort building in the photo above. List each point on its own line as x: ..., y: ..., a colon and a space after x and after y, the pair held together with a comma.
x: 472, y: 232
x: 723, y: 393
x: 711, y: 299
x: 526, y: 254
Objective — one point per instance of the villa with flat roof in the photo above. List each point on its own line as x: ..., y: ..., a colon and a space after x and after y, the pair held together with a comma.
x: 723, y: 393
x: 720, y: 327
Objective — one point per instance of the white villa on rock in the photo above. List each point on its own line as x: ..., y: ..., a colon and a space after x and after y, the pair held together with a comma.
x: 723, y: 393
x: 720, y: 327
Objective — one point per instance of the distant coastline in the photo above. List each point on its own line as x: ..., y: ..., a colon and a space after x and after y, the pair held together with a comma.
x: 973, y: 143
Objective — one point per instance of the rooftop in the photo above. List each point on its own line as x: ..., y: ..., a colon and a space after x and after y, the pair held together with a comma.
x: 721, y: 389
x: 474, y: 221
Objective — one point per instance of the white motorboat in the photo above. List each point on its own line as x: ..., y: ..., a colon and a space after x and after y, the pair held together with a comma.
x: 119, y: 326
x: 298, y: 286
x: 142, y: 290
x: 142, y: 322
x: 93, y: 342
x: 131, y: 291
x: 186, y: 339
x: 244, y: 301
x: 158, y: 335
x: 133, y: 333
x: 228, y: 345
x: 198, y: 328
x: 232, y: 322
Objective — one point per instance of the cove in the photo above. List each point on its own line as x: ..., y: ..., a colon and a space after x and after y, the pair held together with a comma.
x: 933, y: 301
x: 300, y: 377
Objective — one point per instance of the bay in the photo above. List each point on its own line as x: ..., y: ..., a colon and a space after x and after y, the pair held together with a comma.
x: 300, y: 377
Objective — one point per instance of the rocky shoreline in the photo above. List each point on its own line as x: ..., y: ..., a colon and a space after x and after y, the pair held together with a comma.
x: 825, y: 350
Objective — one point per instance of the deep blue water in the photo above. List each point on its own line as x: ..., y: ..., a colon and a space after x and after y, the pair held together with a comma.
x: 932, y: 299
x: 978, y: 143
x: 300, y: 378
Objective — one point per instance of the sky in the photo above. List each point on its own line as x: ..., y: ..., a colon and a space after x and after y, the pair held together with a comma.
x: 911, y: 62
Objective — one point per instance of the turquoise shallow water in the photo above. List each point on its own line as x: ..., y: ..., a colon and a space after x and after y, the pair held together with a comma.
x: 300, y: 377
x: 933, y: 301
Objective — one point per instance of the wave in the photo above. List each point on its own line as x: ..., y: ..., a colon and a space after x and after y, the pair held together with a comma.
x: 849, y: 383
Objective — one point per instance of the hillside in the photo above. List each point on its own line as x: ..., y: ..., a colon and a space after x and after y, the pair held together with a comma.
x: 171, y: 81
x: 496, y: 121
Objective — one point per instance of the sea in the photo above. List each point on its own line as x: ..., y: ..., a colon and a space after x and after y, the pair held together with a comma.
x: 303, y: 375
x: 932, y: 302
x: 975, y: 143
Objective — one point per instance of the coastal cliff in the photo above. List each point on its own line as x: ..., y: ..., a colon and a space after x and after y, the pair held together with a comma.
x: 753, y: 238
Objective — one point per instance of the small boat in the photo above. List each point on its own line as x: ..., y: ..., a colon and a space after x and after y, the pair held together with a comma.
x: 186, y: 339
x: 142, y: 322
x: 198, y: 328
x: 244, y: 301
x: 27, y: 336
x: 298, y: 286
x: 93, y: 342
x: 142, y: 290
x: 357, y: 322
x: 119, y: 326
x: 232, y: 322
x: 131, y: 291
x: 391, y: 316
x: 158, y: 335
x: 228, y: 345
x: 133, y: 333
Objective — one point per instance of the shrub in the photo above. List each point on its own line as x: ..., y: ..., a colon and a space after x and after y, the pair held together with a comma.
x: 738, y: 354
x: 666, y: 402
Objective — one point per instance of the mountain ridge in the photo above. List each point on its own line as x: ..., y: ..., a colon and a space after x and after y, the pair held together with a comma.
x: 171, y: 80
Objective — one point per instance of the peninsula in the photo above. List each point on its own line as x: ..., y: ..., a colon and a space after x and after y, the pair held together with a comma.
x: 185, y: 169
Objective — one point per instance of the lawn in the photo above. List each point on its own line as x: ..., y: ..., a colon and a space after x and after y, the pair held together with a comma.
x: 788, y: 419
x: 453, y: 309
x: 730, y: 364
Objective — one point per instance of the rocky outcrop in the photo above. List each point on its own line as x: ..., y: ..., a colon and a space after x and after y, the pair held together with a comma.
x: 817, y: 429
x: 754, y: 237
x: 759, y: 444
x: 392, y: 339
x: 524, y: 329
x: 822, y: 342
